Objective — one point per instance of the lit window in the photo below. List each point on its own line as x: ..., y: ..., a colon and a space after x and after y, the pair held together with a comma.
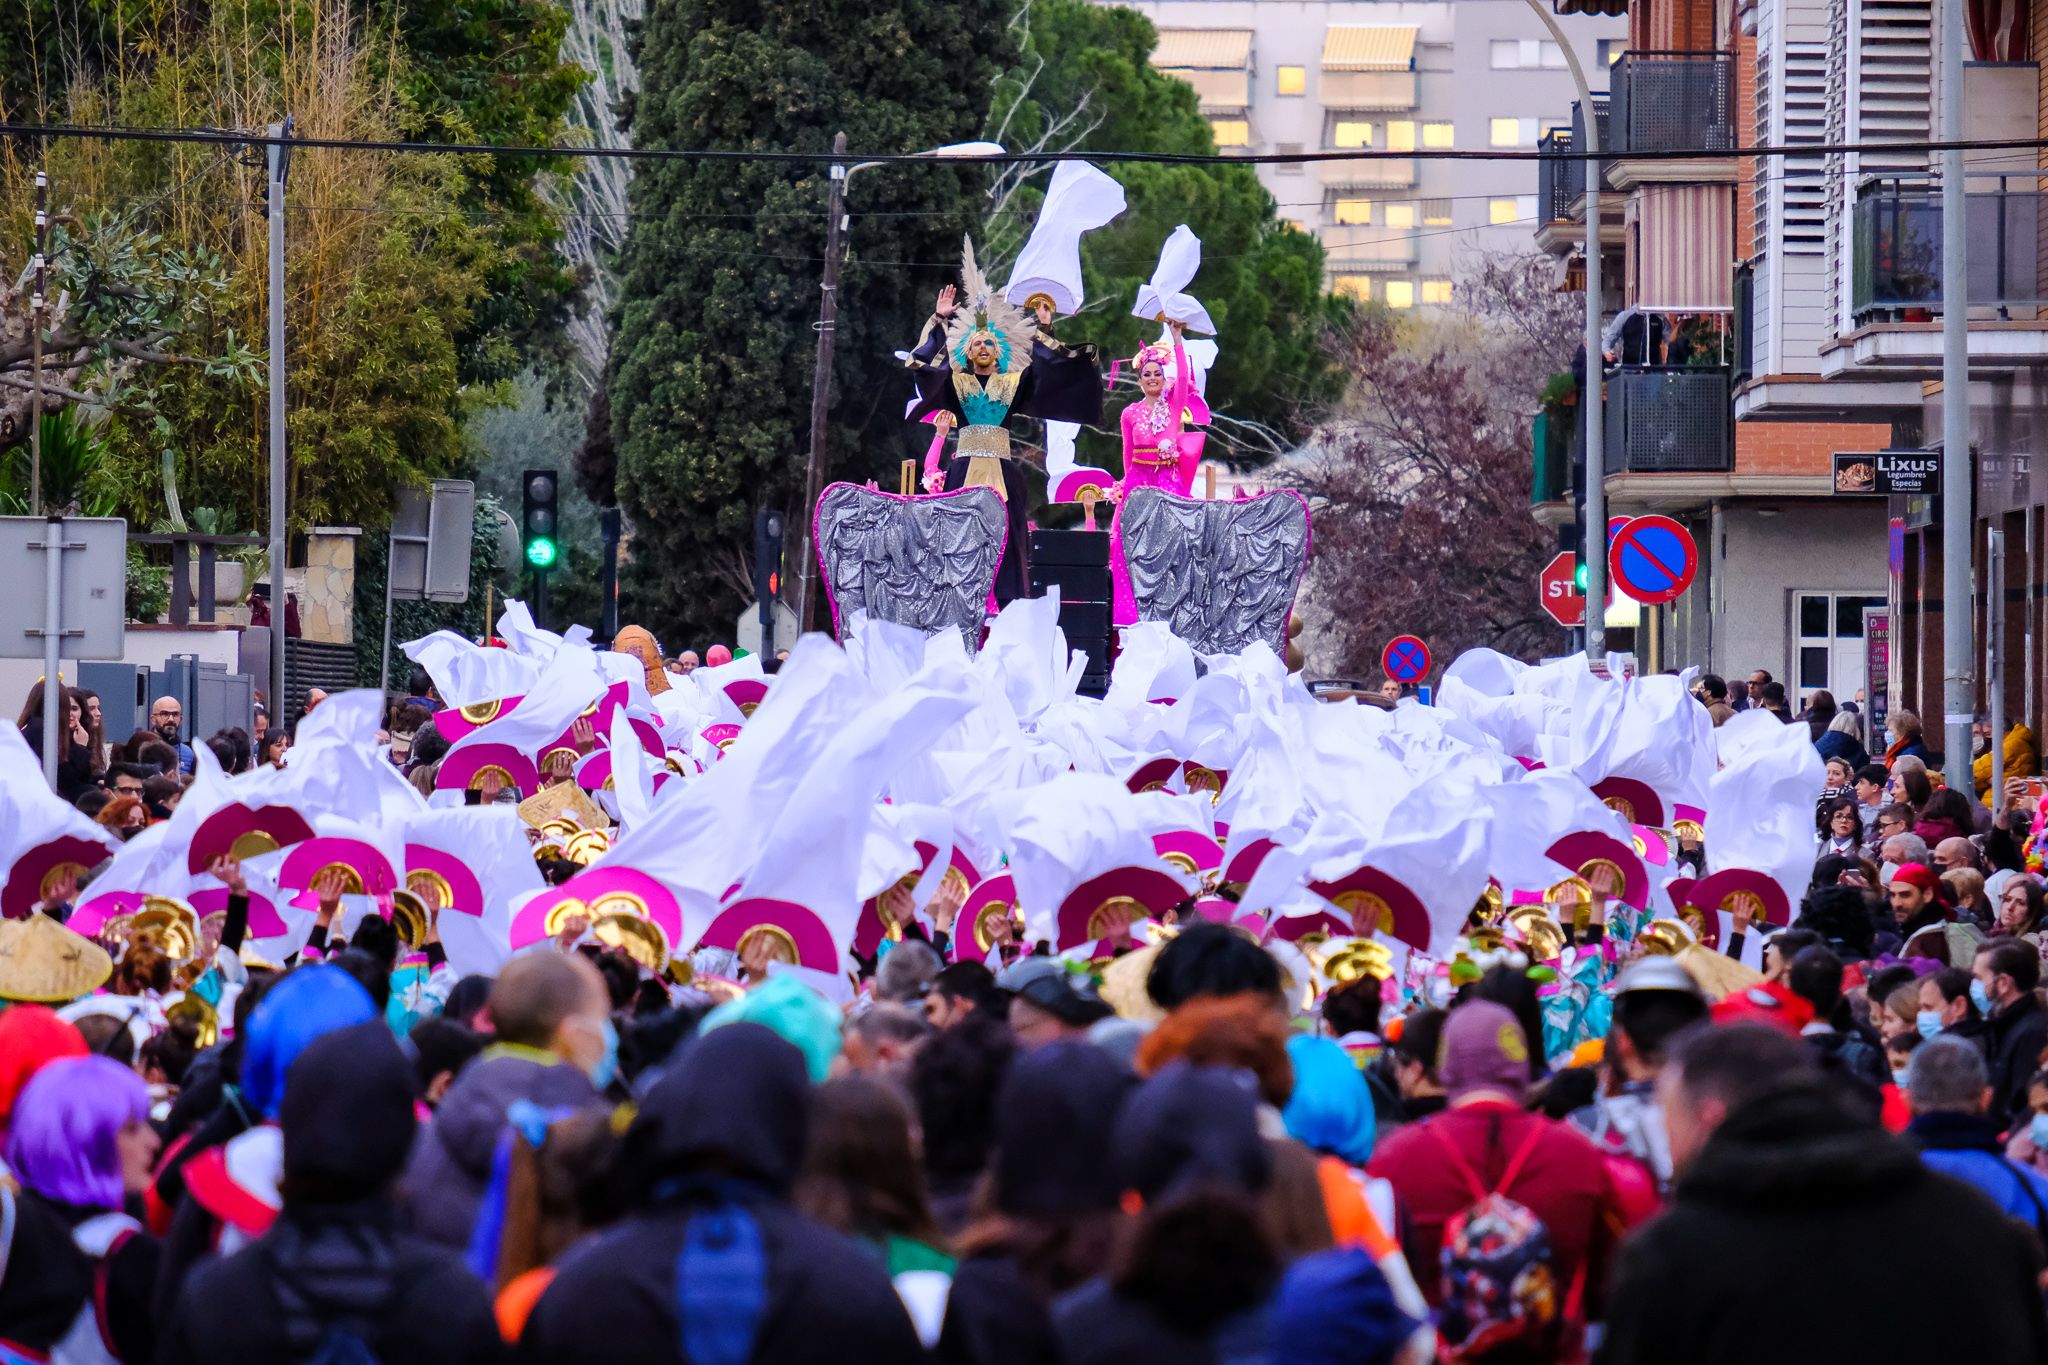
x: 1400, y: 215
x: 1293, y: 80
x: 1401, y: 136
x: 1231, y: 132
x: 1499, y: 211
x: 1353, y: 286
x: 1611, y: 50
x: 1400, y: 293
x: 1352, y: 211
x: 1347, y: 134
x: 1436, y: 213
x: 1436, y: 291
x: 1504, y: 132
x: 1438, y: 135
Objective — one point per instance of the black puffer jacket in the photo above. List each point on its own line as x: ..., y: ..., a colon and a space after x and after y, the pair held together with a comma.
x: 1756, y: 1261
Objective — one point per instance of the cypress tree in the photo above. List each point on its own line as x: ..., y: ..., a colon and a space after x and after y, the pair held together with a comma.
x: 712, y: 354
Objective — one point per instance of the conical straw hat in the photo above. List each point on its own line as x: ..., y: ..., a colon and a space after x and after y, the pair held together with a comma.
x: 43, y: 962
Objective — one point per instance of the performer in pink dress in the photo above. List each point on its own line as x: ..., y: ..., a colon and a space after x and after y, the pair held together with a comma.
x: 1158, y: 450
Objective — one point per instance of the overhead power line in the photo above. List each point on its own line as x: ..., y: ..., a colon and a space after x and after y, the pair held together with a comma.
x: 233, y: 137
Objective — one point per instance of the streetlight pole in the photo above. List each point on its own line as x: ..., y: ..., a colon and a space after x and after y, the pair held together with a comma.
x: 1592, y: 392
x: 836, y: 224
x: 821, y: 383
x: 278, y: 158
x: 1958, y: 482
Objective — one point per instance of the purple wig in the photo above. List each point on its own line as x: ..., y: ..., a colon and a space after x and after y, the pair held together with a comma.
x: 61, y: 1143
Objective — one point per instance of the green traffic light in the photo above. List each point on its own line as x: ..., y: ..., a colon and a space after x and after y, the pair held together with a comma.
x: 540, y: 552
x: 1578, y: 576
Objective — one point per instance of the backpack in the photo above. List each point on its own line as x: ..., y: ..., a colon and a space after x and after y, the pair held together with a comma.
x: 1499, y: 1293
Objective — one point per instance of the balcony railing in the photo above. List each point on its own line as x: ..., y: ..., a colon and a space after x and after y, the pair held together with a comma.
x: 1374, y: 173
x: 1575, y: 171
x: 1552, y: 435
x: 1353, y: 249
x: 1745, y: 322
x: 1665, y: 420
x: 1371, y: 90
x: 1673, y: 102
x: 1554, y: 194
x: 1897, y: 243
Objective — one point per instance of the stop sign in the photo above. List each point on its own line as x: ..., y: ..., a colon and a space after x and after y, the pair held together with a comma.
x: 1557, y: 588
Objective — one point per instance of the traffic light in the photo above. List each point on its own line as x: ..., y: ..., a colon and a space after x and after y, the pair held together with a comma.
x: 767, y: 554
x: 537, y: 520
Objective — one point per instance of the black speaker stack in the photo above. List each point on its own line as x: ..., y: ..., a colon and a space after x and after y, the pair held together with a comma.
x: 1077, y: 564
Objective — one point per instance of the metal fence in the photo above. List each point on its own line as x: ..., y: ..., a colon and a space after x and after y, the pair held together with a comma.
x: 1669, y: 420
x: 1554, y: 194
x: 1575, y: 171
x: 1673, y: 102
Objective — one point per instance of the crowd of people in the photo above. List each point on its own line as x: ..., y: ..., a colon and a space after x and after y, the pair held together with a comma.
x: 1578, y: 1128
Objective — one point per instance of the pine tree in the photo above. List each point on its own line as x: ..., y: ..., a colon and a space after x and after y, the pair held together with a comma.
x: 719, y: 273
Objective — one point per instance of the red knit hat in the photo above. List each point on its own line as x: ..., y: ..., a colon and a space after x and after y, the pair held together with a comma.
x: 1917, y: 874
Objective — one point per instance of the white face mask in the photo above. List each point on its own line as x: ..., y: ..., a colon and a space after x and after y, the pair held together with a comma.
x: 1885, y: 873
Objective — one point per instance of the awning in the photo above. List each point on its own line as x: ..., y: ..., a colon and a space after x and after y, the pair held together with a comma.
x: 1369, y: 47
x: 1220, y: 92
x: 1203, y: 49
x: 1683, y: 243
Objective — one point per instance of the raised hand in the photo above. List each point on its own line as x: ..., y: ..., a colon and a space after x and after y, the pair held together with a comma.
x: 228, y: 868
x: 328, y: 886
x: 945, y: 304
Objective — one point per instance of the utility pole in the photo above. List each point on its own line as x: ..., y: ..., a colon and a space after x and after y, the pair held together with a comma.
x: 53, y: 532
x: 37, y: 302
x: 1593, y: 393
x: 1958, y: 478
x: 277, y: 159
x: 821, y: 384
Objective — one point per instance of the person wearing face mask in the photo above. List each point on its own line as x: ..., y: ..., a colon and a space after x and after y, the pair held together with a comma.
x: 1777, y: 1171
x: 1945, y: 1006
x: 2004, y: 975
x: 1948, y: 1087
x: 555, y: 1048
x: 2029, y: 1143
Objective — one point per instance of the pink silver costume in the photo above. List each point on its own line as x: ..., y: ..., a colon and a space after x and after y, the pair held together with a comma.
x: 1158, y: 453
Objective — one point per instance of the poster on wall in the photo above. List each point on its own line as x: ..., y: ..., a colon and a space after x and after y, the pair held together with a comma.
x: 1877, y: 673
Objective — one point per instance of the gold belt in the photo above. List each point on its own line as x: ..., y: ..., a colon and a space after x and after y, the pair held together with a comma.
x: 985, y: 447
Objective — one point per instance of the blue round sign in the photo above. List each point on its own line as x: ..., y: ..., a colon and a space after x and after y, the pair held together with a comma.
x: 1653, y: 559
x: 1405, y: 659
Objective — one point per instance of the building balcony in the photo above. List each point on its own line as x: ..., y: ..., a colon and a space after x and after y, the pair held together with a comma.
x: 1376, y: 91
x: 1366, y: 251
x: 1668, y: 420
x: 1377, y: 173
x: 1665, y: 102
x: 1896, y: 288
x: 1552, y: 435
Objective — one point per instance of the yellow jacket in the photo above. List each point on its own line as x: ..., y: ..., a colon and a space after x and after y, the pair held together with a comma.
x: 2020, y: 760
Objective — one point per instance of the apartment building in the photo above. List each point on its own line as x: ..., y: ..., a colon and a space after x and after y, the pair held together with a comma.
x: 1303, y: 76
x: 1729, y: 280
x: 1833, y: 314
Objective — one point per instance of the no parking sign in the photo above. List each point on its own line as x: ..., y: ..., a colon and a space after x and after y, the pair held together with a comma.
x: 1653, y: 559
